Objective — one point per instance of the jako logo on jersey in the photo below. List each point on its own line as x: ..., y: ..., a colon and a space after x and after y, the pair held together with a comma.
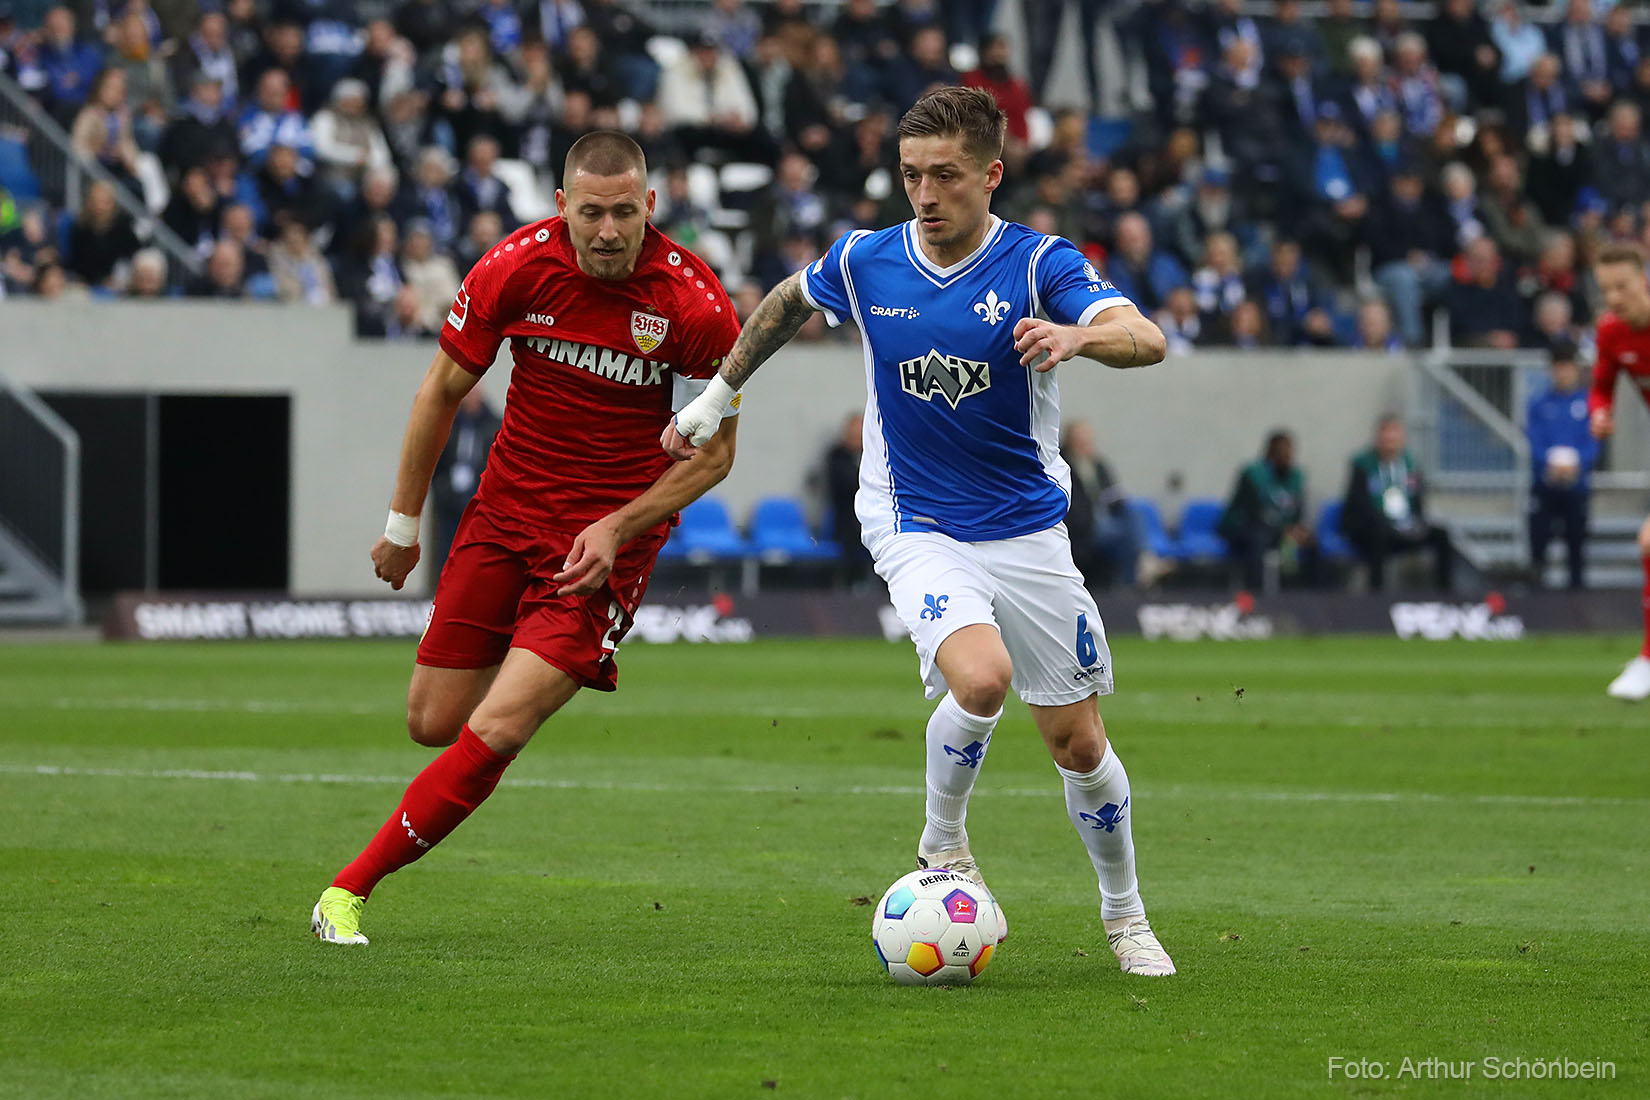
x: 906, y: 312
x: 992, y: 309
x: 970, y: 755
x: 954, y: 378
x: 935, y: 608
x: 1109, y: 817
x: 613, y: 365
x: 648, y: 329
x: 541, y: 318
x: 461, y: 309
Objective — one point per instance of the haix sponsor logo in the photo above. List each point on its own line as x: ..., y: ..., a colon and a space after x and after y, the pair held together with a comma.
x: 907, y: 312
x: 951, y: 377
x: 541, y: 319
x: 615, y: 366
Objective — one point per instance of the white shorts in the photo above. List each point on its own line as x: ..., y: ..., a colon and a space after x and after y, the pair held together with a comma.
x: 1026, y: 587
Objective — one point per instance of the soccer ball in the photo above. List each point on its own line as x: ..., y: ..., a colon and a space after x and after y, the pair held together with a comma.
x: 935, y: 928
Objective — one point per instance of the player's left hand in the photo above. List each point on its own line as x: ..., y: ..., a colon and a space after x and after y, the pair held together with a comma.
x: 590, y: 560
x: 1034, y: 338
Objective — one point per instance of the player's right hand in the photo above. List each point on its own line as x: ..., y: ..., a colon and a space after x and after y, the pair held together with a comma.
x: 1603, y: 423
x: 392, y: 563
x: 675, y: 446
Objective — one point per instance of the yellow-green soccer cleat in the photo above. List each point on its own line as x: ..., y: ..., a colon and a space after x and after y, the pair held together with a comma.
x: 337, y: 917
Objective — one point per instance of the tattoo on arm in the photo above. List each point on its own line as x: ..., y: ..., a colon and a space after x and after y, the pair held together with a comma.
x: 780, y: 316
x: 1134, y: 353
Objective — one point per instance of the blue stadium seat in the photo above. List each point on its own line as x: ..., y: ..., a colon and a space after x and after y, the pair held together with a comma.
x: 1332, y: 545
x: 779, y: 533
x: 707, y: 533
x: 1197, y: 540
x: 16, y: 173
x: 1151, y: 521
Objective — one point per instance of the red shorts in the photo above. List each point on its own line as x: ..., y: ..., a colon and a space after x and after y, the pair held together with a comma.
x: 495, y: 593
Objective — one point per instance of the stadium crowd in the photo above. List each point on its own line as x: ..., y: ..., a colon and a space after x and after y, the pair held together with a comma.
x: 1290, y: 182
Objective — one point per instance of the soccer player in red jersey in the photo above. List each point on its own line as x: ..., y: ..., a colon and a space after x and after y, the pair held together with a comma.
x: 612, y: 327
x: 1624, y: 348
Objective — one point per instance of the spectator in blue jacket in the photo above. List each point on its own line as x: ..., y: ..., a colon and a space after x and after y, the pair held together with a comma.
x: 1562, y: 454
x: 68, y: 64
x: 1142, y: 272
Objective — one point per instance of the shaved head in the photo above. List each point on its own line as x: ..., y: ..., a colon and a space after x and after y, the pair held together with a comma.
x: 605, y: 153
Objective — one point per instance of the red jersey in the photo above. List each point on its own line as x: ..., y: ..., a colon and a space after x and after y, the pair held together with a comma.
x: 1620, y: 348
x: 599, y: 368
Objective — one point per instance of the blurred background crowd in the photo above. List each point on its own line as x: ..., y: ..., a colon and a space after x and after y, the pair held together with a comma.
x: 1272, y: 179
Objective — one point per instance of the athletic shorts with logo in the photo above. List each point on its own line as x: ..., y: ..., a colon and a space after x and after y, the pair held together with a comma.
x: 496, y: 593
x: 1026, y: 587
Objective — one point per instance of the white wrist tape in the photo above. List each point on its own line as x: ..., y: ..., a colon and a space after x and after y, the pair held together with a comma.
x: 401, y: 529
x: 703, y: 415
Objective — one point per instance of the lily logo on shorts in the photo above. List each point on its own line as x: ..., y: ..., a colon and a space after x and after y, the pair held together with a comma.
x: 935, y: 608
x: 1109, y: 817
x: 970, y: 755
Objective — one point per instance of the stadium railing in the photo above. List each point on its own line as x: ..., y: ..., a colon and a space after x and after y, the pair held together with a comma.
x: 62, y: 173
x: 1466, y: 427
x: 39, y: 511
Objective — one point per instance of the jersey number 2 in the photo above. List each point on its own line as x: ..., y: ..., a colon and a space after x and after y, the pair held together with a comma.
x: 615, y: 616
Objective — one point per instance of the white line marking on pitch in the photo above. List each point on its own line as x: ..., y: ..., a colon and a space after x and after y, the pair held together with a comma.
x: 1232, y: 795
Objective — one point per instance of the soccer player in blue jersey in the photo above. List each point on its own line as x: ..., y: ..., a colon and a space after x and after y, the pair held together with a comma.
x: 962, y: 489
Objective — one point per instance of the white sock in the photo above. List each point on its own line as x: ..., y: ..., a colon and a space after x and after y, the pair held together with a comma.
x: 1098, y: 804
x: 957, y: 741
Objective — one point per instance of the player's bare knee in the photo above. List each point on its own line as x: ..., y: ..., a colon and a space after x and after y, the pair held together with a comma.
x: 504, y: 733
x: 1081, y: 752
x: 983, y: 685
x: 426, y: 726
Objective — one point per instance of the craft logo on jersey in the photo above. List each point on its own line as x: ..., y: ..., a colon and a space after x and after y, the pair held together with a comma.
x: 461, y: 309
x: 992, y: 309
x: 949, y: 376
x: 648, y: 329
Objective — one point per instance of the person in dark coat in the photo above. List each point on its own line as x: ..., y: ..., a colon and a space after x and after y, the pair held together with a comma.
x: 1385, y: 509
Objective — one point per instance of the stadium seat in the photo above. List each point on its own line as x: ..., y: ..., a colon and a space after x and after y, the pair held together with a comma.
x: 528, y: 201
x: 1151, y: 520
x: 707, y: 533
x: 779, y: 533
x: 16, y: 173
x: 1332, y: 545
x: 1197, y: 539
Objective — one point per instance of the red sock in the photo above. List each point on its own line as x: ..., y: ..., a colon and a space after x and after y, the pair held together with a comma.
x: 442, y: 796
x: 1645, y: 652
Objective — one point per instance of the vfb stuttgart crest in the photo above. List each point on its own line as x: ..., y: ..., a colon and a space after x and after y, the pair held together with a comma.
x: 648, y: 330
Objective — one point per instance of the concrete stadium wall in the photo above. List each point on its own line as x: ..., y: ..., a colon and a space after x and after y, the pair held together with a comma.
x: 1199, y: 416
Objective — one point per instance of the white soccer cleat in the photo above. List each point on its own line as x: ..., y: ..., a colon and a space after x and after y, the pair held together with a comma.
x: 1137, y: 950
x: 961, y: 860
x: 1634, y: 682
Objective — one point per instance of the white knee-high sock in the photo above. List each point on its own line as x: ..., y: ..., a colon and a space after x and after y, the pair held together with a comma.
x: 1099, y: 807
x: 957, y: 741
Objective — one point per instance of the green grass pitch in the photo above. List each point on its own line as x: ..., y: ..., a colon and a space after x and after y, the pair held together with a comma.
x: 1354, y: 848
